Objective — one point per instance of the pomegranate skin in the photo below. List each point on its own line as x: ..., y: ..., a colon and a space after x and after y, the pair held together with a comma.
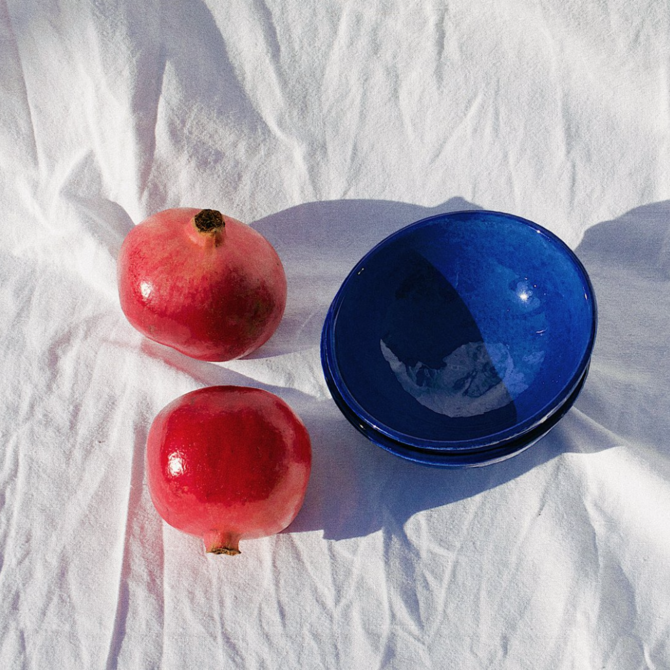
x: 228, y: 463
x: 214, y: 295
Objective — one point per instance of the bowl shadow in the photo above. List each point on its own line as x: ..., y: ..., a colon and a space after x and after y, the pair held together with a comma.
x: 625, y: 400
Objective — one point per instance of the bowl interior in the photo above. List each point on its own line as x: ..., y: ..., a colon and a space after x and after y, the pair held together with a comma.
x: 462, y: 329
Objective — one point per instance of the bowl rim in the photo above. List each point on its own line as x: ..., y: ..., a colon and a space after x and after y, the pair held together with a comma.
x: 490, y: 440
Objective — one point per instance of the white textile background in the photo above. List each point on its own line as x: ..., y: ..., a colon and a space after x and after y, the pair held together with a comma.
x: 327, y: 125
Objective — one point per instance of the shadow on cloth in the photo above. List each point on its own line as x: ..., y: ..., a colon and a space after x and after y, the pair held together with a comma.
x: 625, y: 400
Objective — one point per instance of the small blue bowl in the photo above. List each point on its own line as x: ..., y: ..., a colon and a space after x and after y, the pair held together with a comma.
x: 459, y: 337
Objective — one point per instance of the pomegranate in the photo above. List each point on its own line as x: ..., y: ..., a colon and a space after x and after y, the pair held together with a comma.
x: 204, y: 284
x: 228, y: 463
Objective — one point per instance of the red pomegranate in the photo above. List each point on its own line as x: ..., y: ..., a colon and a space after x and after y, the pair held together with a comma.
x: 228, y: 463
x: 207, y: 285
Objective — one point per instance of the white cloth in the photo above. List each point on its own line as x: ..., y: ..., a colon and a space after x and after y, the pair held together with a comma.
x: 326, y: 126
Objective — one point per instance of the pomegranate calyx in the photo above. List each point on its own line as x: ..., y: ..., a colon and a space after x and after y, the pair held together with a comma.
x: 209, y: 221
x: 228, y: 551
x: 222, y: 543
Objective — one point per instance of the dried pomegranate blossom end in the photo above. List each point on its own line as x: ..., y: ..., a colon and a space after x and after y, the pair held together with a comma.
x: 217, y: 542
x: 209, y: 221
x: 228, y: 551
x: 208, y: 228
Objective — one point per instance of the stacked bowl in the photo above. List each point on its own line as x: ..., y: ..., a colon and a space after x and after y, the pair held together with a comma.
x: 461, y: 339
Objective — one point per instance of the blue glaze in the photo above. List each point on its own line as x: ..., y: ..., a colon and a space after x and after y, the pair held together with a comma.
x: 460, y: 332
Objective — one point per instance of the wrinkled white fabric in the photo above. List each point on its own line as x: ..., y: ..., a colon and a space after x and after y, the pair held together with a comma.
x: 326, y: 126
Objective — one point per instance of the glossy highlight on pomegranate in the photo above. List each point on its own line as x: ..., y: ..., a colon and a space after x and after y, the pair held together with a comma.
x: 203, y: 283
x: 228, y: 463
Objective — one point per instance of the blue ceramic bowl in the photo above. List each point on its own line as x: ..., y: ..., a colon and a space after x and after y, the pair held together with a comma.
x: 460, y: 335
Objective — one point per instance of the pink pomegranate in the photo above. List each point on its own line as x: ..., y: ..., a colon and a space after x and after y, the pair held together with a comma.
x: 207, y: 285
x: 228, y: 463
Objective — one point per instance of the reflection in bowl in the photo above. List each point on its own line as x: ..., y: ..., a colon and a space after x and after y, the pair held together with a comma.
x: 460, y: 332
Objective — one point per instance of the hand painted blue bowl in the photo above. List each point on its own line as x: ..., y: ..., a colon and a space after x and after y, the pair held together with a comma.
x: 460, y: 339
